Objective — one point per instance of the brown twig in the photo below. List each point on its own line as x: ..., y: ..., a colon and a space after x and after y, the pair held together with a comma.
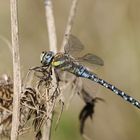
x: 53, y: 47
x: 51, y: 25
x: 16, y: 69
x: 7, y: 110
x: 69, y: 23
x: 69, y: 26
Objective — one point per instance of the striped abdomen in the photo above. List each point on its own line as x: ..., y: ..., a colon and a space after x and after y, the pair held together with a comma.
x: 83, y: 72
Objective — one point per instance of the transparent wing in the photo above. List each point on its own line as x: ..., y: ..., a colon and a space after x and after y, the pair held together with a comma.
x: 91, y: 58
x: 73, y: 45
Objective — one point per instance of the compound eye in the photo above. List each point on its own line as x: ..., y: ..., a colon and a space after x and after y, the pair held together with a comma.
x: 49, y: 54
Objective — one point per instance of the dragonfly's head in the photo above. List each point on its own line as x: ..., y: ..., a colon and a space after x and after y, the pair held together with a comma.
x: 46, y: 57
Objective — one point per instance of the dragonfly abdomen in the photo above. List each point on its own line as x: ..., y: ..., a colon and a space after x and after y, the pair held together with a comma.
x: 89, y: 75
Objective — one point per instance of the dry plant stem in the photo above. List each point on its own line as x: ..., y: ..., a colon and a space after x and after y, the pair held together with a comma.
x: 51, y: 25
x: 53, y: 47
x: 16, y: 69
x: 69, y: 23
x: 3, y: 108
x: 69, y: 26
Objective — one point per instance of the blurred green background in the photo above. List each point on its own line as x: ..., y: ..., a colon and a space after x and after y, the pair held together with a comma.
x: 109, y: 29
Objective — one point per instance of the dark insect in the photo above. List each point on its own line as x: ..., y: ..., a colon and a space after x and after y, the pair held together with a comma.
x: 65, y: 62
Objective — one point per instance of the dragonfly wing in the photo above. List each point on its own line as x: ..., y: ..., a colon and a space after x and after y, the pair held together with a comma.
x: 73, y: 45
x: 92, y: 59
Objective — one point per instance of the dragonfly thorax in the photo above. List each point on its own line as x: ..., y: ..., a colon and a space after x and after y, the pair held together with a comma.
x: 46, y: 57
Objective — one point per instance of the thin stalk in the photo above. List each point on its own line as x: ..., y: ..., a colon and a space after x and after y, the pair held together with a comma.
x: 69, y: 26
x: 51, y: 25
x: 53, y: 47
x: 70, y: 22
x: 16, y: 69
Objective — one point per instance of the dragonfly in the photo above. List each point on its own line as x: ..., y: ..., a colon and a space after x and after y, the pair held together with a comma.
x: 66, y: 62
